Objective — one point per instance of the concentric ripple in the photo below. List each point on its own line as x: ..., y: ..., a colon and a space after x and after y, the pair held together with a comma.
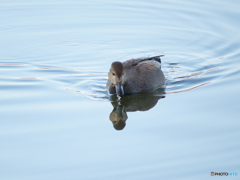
x: 183, y: 73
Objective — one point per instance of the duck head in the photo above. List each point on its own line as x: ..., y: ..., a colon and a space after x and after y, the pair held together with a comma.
x: 115, y: 75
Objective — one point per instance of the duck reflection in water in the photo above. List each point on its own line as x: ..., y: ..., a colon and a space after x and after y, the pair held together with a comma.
x: 131, y: 103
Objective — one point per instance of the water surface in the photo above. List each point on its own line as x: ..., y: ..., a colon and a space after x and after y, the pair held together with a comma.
x: 57, y: 120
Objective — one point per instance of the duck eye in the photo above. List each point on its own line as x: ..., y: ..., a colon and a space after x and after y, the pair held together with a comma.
x: 113, y: 74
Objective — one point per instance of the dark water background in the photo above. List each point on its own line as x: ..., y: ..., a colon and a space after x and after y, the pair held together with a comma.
x: 57, y: 119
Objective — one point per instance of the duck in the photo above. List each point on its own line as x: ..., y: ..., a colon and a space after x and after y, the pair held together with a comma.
x: 135, y: 76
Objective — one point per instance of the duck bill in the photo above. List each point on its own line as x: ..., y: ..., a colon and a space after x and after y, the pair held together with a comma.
x: 119, y: 88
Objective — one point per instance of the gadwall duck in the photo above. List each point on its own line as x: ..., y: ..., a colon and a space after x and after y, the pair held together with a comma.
x: 135, y: 76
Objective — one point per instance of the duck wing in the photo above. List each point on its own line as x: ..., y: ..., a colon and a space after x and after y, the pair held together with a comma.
x: 156, y: 58
x: 135, y: 62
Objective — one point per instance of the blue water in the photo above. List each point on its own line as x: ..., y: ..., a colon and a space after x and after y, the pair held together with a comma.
x: 57, y: 120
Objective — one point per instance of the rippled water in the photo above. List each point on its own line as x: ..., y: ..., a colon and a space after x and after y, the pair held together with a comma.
x: 57, y: 120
